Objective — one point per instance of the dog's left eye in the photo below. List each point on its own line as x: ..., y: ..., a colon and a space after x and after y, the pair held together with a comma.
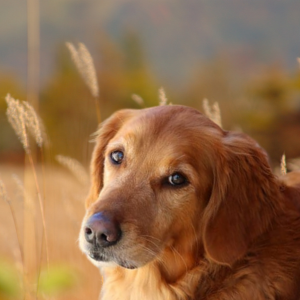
x: 117, y: 157
x: 177, y: 179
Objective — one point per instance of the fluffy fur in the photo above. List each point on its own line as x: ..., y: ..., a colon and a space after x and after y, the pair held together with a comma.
x: 231, y: 231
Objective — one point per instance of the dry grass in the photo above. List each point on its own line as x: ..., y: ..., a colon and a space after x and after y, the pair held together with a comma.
x: 37, y: 234
x: 75, y: 167
x: 22, y: 117
x: 163, y: 100
x: 64, y: 209
x: 86, y: 68
x: 16, y: 117
x: 283, y: 167
x: 138, y: 99
x: 4, y: 196
x: 213, y: 112
x: 34, y: 124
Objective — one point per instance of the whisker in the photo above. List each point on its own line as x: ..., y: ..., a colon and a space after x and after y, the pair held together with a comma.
x: 180, y: 256
x: 149, y: 237
x: 154, y: 254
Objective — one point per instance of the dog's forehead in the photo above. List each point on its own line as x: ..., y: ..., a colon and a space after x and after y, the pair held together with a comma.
x: 171, y: 131
x: 166, y: 121
x: 153, y: 125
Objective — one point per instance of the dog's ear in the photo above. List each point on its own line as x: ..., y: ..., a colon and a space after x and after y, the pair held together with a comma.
x: 242, y: 201
x: 107, y: 130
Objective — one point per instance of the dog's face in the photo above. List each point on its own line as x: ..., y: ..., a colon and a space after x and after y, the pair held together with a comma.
x: 152, y: 195
x: 155, y: 173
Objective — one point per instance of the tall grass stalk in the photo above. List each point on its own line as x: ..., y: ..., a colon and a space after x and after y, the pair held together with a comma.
x: 22, y: 116
x: 41, y: 204
x: 86, y: 68
x: 36, y: 127
x: 4, y: 196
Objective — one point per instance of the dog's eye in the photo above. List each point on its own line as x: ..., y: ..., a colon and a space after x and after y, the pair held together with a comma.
x: 177, y: 179
x: 117, y: 157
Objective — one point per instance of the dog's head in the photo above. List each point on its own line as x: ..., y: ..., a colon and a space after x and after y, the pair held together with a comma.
x: 169, y: 179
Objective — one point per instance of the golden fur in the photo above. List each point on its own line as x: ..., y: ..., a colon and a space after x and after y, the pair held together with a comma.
x: 231, y: 232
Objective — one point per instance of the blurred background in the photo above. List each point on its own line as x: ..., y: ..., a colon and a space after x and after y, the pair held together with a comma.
x: 241, y: 54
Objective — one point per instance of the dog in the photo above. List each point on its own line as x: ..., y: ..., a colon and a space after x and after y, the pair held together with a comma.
x: 181, y: 209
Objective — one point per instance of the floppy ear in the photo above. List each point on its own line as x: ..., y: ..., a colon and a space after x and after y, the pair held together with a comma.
x: 107, y: 130
x: 243, y: 198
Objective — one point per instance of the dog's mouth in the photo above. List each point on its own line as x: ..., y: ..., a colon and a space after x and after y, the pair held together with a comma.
x: 98, y: 256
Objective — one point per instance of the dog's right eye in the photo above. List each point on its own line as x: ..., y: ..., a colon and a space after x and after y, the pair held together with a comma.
x: 177, y: 179
x: 117, y: 157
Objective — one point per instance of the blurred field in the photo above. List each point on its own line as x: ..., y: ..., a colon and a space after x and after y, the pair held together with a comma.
x: 64, y: 208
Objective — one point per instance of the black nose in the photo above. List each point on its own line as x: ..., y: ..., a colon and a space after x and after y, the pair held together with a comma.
x: 102, y: 230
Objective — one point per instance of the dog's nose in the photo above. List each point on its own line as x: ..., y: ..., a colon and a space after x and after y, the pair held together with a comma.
x: 102, y: 230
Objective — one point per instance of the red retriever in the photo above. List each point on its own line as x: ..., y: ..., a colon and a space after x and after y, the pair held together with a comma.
x: 181, y: 209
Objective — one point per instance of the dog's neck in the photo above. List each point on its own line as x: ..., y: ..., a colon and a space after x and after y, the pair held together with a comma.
x: 173, y: 273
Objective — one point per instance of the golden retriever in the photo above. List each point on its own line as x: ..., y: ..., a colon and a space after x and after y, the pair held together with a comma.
x: 181, y: 209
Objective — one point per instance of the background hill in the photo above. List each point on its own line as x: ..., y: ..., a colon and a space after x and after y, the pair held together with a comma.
x: 176, y: 35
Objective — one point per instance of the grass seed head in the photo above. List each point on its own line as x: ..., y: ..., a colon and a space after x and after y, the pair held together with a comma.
x: 34, y: 124
x: 213, y: 112
x: 162, y: 97
x: 85, y: 66
x: 283, y: 165
x: 16, y: 117
x: 138, y: 99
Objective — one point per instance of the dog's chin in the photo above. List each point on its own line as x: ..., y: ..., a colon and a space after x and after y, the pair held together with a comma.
x: 127, y: 265
x: 96, y: 256
x: 101, y: 260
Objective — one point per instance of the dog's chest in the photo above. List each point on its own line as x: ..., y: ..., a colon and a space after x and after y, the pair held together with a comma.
x: 137, y: 284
